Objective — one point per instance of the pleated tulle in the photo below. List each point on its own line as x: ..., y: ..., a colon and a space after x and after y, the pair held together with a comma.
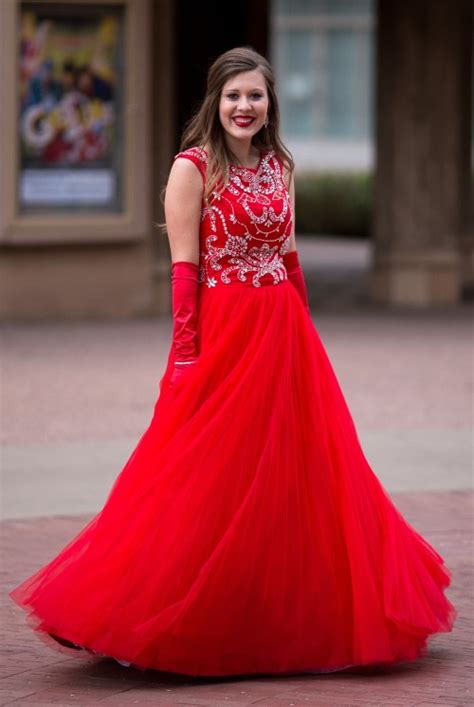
x: 247, y: 532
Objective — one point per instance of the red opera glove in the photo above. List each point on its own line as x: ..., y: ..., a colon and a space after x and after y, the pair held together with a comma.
x: 184, y: 286
x: 296, y: 275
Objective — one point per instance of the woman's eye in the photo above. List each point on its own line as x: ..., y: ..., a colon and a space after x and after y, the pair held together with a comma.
x: 233, y: 96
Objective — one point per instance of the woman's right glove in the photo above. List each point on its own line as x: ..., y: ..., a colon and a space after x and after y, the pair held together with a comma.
x: 296, y: 275
x: 184, y: 286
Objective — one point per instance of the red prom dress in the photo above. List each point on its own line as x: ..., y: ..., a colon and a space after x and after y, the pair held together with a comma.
x: 247, y: 532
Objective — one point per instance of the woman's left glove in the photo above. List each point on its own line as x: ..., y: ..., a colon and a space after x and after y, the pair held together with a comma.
x: 296, y: 276
x: 184, y: 286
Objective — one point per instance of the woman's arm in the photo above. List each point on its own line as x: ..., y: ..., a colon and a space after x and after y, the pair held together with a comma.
x: 291, y: 259
x: 183, y: 215
x: 291, y: 190
x: 183, y: 201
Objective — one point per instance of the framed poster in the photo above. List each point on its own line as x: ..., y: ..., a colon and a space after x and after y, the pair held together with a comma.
x: 70, y: 107
x: 75, y: 133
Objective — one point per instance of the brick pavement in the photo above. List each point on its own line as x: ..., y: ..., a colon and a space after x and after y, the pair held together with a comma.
x: 76, y: 397
x: 100, y: 379
x: 34, y: 674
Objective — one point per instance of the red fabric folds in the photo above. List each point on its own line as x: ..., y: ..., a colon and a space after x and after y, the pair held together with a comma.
x: 247, y: 532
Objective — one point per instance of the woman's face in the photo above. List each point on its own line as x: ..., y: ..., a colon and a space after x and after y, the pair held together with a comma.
x: 243, y: 104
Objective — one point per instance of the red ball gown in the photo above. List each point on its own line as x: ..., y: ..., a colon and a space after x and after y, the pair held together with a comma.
x: 247, y: 532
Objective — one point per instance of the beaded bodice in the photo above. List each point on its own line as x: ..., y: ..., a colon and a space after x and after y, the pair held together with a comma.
x: 245, y: 229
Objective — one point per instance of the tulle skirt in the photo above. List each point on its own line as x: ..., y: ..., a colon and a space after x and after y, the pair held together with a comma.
x: 247, y: 532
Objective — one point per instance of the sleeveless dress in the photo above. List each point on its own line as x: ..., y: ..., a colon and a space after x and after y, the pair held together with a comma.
x: 247, y: 532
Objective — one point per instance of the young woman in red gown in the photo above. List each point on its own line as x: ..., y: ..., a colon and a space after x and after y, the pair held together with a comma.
x: 247, y: 532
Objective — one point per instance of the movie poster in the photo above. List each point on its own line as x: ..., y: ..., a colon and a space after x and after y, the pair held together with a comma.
x: 70, y: 118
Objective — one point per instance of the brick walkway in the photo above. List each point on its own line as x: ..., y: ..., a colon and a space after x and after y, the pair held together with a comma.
x: 34, y: 674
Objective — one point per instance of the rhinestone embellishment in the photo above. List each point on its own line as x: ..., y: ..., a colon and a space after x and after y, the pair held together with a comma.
x: 246, y: 228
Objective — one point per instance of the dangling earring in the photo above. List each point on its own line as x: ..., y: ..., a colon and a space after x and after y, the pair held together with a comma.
x: 266, y: 122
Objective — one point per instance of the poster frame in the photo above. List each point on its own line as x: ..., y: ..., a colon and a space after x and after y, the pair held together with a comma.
x: 133, y: 221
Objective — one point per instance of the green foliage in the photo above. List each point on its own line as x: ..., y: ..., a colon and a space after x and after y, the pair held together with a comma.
x: 334, y: 203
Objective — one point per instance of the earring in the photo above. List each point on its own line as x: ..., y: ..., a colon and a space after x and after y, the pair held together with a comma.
x: 266, y: 122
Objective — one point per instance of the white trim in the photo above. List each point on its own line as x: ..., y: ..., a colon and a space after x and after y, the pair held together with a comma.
x: 321, y: 22
x: 321, y: 155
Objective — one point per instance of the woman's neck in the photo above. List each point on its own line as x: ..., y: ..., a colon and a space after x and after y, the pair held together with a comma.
x: 245, y: 153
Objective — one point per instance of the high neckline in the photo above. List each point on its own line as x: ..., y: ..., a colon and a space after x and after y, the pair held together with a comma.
x: 250, y: 169
x: 263, y: 153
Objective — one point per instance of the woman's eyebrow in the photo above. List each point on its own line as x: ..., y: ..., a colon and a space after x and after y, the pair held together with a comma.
x: 252, y: 89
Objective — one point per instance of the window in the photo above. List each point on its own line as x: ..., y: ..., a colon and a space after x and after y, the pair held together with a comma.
x: 322, y: 51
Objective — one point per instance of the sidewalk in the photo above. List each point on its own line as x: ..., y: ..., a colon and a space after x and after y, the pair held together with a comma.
x: 76, y: 399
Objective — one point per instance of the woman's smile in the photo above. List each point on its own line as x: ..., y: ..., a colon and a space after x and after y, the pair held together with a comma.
x: 243, y: 121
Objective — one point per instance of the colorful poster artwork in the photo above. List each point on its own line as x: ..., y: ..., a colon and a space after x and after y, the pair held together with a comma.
x: 68, y: 97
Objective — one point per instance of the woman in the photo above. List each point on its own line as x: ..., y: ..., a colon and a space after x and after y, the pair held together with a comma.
x: 247, y: 532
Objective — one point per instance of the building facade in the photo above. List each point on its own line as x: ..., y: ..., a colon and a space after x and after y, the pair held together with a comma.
x: 95, y: 94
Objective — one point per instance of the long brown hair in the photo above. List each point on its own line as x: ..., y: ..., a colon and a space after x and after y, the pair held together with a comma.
x: 205, y: 128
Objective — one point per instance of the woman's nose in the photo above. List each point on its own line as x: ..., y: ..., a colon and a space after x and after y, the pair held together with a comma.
x: 244, y: 103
